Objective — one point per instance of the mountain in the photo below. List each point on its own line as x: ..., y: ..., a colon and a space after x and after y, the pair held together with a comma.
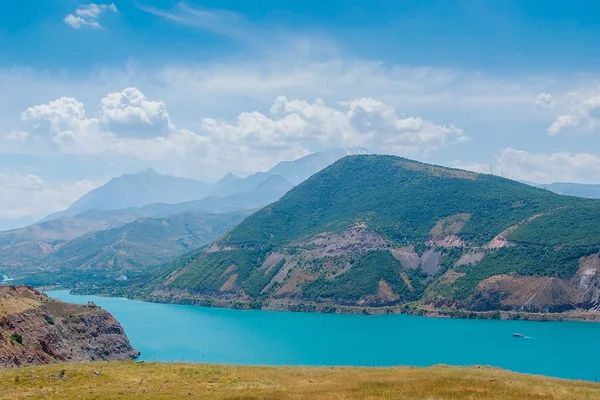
x: 393, y: 234
x: 142, y: 244
x: 571, y: 189
x: 115, y: 240
x: 150, y: 187
x: 137, y: 190
x: 295, y: 172
x: 300, y: 170
x: 136, y: 246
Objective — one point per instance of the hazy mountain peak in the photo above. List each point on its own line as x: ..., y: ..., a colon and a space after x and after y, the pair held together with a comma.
x: 149, y: 171
x: 356, y: 151
x: 227, y: 179
x: 299, y: 170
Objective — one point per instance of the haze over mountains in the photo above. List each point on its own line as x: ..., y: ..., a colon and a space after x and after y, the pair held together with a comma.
x: 150, y: 187
x: 137, y: 221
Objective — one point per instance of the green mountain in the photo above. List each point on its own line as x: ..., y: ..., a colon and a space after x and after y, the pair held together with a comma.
x: 104, y: 255
x: 383, y: 231
x: 142, y: 244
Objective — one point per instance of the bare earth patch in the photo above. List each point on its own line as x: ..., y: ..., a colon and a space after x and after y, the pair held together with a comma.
x: 450, y: 225
x: 354, y: 240
x: 407, y: 256
x: 451, y: 276
x: 230, y: 284
x: 470, y: 258
x: 385, y: 293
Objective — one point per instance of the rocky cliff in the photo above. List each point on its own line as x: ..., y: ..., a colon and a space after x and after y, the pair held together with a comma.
x: 35, y: 329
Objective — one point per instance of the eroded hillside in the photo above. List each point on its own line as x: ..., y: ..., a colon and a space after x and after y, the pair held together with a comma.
x: 387, y: 233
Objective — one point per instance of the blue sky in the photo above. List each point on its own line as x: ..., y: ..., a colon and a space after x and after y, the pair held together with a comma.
x: 518, y: 36
x: 200, y: 88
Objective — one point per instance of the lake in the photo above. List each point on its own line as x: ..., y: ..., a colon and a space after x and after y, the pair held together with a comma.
x: 169, y: 333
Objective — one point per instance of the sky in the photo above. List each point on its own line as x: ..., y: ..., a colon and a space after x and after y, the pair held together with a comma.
x: 199, y: 88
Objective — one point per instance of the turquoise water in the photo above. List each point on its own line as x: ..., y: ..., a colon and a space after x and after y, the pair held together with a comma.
x: 166, y: 332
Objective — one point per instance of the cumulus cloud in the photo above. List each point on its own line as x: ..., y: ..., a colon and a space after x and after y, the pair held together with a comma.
x: 544, y: 101
x: 583, y: 116
x: 549, y: 167
x: 60, y: 115
x: 87, y: 15
x: 125, y: 114
x: 129, y: 113
x: 361, y: 122
x: 127, y: 123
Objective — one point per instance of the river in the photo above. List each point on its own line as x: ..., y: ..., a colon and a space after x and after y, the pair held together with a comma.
x: 169, y: 333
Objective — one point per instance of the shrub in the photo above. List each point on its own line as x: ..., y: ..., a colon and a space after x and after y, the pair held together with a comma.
x: 15, y: 337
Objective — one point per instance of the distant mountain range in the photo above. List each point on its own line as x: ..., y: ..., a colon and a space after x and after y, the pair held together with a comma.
x: 90, y: 233
x: 149, y: 187
x: 387, y: 233
x: 589, y: 191
x: 56, y: 255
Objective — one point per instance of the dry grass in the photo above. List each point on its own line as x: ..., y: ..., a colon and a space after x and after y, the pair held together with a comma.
x: 130, y: 380
x: 15, y: 301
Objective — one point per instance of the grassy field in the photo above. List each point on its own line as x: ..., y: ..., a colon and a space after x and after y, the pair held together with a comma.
x: 130, y: 380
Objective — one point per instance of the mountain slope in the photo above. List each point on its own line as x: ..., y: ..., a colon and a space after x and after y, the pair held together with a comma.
x: 384, y: 231
x: 54, y: 244
x: 295, y: 172
x: 142, y: 244
x: 136, y: 190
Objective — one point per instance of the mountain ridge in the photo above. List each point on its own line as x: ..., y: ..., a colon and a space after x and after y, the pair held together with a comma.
x: 383, y: 231
x: 149, y: 187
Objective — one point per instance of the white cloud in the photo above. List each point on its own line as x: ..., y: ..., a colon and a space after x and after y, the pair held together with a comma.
x: 64, y: 114
x: 129, y: 113
x: 549, y: 167
x: 583, y: 116
x: 16, y: 136
x: 87, y: 15
x: 25, y: 183
x: 129, y: 124
x: 522, y: 165
x: 22, y: 195
x: 221, y: 22
x: 358, y: 123
x: 544, y: 101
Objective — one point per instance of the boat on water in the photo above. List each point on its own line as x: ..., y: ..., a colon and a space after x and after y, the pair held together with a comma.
x: 519, y: 335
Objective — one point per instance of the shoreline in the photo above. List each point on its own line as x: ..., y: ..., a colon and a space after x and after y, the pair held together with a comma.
x: 289, y: 305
